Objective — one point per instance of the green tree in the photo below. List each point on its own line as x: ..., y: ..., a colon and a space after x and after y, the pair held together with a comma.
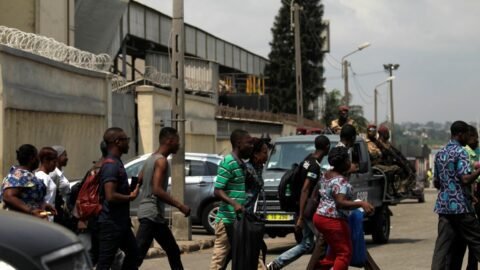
x: 332, y: 101
x: 281, y: 68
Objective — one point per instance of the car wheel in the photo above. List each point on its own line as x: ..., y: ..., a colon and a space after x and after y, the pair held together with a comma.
x: 381, y: 225
x: 209, y: 215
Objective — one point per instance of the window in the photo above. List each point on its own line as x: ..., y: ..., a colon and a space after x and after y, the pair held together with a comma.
x: 197, y: 168
x: 212, y: 168
x: 134, y: 169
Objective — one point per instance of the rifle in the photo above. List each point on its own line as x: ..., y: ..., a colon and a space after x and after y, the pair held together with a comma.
x: 397, y: 157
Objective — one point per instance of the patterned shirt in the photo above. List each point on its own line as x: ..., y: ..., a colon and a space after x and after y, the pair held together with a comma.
x: 328, y: 188
x: 451, y: 163
x: 472, y: 157
x: 231, y: 179
x: 33, y: 189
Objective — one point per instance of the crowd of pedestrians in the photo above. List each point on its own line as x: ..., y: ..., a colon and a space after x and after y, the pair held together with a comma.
x: 37, y: 186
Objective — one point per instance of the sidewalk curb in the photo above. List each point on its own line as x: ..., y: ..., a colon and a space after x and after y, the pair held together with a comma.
x: 185, y: 247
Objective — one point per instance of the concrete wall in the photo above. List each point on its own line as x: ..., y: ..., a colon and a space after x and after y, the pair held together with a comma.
x: 154, y: 112
x: 44, y: 103
x: 18, y: 14
x: 51, y: 18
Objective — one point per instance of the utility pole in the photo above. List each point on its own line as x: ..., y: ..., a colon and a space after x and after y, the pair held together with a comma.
x: 298, y: 64
x: 375, y: 93
x: 390, y: 68
x: 180, y: 224
x: 346, y: 98
x: 346, y: 95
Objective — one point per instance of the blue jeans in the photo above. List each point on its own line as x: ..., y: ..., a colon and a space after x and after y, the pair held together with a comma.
x: 297, y: 251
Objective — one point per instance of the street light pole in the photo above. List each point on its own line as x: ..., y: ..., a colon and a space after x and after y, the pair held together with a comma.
x: 346, y: 97
x: 298, y: 63
x: 181, y: 228
x: 390, y: 68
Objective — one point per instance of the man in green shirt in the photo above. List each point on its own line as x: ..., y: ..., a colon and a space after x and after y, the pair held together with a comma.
x: 230, y: 189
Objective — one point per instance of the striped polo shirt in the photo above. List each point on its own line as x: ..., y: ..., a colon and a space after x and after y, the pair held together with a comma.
x: 231, y: 179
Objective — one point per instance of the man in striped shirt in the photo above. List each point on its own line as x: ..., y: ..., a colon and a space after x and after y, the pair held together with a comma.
x: 230, y: 189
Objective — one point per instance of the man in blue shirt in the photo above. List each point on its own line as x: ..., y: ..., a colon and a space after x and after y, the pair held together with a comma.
x: 453, y: 205
x: 114, y: 220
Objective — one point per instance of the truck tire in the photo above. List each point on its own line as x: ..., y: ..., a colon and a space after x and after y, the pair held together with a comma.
x: 421, y: 199
x: 208, y: 216
x: 380, y: 222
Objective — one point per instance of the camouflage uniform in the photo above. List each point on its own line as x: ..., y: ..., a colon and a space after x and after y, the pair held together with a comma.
x: 374, y: 151
x: 335, y: 126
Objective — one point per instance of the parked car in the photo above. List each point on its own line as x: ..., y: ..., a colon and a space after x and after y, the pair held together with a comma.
x: 200, y: 174
x: 30, y: 243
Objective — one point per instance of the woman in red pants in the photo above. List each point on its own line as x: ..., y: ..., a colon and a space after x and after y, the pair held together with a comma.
x: 335, y: 202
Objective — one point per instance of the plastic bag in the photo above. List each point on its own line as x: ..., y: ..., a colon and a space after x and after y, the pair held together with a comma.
x: 247, y: 242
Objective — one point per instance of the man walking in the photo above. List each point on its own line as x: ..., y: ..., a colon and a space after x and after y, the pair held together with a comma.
x: 311, y: 171
x: 230, y: 188
x: 453, y: 206
x: 151, y: 211
x: 114, y: 220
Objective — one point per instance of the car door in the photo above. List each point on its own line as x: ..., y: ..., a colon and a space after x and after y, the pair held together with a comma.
x: 365, y: 187
x: 194, y: 172
x: 198, y: 185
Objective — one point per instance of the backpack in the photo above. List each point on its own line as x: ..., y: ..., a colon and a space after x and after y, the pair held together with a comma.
x: 87, y: 202
x: 290, y: 188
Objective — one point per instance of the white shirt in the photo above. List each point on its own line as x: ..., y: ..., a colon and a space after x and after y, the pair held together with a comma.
x: 51, y: 189
x: 61, y: 182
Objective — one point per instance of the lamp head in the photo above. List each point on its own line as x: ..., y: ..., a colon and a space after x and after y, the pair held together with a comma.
x: 363, y: 46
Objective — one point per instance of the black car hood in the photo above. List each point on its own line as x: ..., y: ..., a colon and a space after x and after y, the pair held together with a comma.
x: 31, y: 235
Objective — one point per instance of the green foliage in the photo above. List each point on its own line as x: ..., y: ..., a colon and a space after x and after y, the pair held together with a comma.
x: 332, y: 101
x: 281, y: 69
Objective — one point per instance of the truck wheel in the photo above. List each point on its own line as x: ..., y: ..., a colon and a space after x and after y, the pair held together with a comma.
x: 381, y: 225
x: 209, y: 215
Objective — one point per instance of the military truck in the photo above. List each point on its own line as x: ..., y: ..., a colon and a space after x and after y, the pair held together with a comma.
x: 368, y: 184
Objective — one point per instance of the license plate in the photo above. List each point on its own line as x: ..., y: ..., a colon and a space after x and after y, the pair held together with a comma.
x: 279, y: 217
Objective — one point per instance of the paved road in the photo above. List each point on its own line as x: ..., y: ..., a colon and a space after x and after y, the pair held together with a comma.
x: 412, y: 239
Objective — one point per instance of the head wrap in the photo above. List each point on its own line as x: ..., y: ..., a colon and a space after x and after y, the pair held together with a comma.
x: 383, y: 129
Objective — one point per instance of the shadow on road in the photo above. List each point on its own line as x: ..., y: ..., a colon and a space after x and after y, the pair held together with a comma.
x: 395, y: 241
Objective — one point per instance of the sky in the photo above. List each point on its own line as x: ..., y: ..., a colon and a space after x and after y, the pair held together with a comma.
x: 435, y: 42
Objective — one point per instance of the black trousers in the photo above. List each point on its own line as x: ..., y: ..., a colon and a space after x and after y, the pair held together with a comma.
x: 460, y: 246
x: 453, y: 230
x: 112, y: 237
x: 150, y: 230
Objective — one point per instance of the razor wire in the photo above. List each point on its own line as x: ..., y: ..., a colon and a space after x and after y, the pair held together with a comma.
x: 164, y: 80
x: 52, y: 49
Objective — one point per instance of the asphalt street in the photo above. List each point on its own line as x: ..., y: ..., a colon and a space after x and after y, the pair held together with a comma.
x: 412, y: 239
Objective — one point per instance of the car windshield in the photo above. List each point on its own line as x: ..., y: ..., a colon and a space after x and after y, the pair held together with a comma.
x: 284, y: 155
